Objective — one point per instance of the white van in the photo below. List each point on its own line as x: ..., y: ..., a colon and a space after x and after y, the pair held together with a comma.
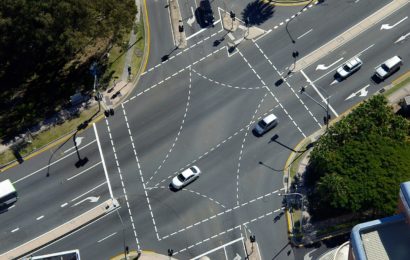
x: 389, y: 67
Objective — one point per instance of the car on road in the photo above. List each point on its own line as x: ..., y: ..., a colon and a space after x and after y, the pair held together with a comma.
x: 185, y: 177
x: 204, y: 14
x: 388, y: 67
x: 348, y: 68
x: 266, y: 124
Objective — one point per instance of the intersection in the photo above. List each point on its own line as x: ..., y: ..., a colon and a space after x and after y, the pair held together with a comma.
x: 198, y: 107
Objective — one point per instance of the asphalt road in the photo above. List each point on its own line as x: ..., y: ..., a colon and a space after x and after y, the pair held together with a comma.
x: 198, y: 107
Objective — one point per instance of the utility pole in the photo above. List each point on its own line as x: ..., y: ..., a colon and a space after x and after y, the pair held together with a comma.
x: 327, y: 118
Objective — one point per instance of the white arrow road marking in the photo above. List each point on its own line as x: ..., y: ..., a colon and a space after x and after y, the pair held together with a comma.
x: 386, y: 26
x: 77, y: 143
x: 334, y: 82
x: 237, y: 257
x: 324, y: 67
x: 192, y: 19
x: 91, y: 199
x: 363, y: 92
x: 402, y: 38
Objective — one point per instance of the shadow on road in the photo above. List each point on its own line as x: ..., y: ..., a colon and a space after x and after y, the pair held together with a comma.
x: 257, y: 12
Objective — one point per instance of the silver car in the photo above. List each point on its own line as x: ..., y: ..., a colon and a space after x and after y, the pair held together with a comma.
x: 266, y: 124
x: 350, y: 67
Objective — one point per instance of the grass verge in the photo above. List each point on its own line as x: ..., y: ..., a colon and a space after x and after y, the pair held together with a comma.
x: 397, y: 86
x: 47, y: 136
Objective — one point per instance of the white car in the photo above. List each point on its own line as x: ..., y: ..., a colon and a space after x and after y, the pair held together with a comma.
x: 185, y: 177
x: 266, y: 124
x: 350, y: 67
x: 389, y: 67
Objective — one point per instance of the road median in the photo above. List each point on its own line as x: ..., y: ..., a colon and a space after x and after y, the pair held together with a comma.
x: 61, y: 230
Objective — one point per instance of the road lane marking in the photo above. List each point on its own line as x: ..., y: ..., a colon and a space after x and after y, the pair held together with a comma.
x: 72, y: 233
x: 78, y: 174
x: 102, y: 239
x: 182, y: 51
x: 221, y: 213
x: 320, y: 94
x: 305, y: 34
x: 225, y: 232
x: 187, y: 105
x: 77, y: 144
x: 63, y: 205
x: 14, y: 230
x: 214, y: 148
x: 96, y: 187
x: 91, y: 199
x: 273, y: 95
x: 363, y: 92
x: 103, y: 161
x: 121, y: 179
x: 223, y: 84
x: 324, y: 67
x: 200, y: 31
x: 217, y: 248
x: 387, y: 26
x: 287, y: 83
x: 242, y: 146
x: 141, y: 178
x: 181, y: 70
x: 40, y: 217
x: 45, y: 167
x: 327, y: 73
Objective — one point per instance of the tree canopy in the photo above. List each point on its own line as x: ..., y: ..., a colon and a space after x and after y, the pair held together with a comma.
x: 46, y: 48
x: 357, y: 166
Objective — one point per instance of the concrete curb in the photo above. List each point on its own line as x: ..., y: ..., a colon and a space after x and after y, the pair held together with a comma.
x: 349, y: 34
x: 290, y: 3
x: 176, y: 21
x: 62, y: 230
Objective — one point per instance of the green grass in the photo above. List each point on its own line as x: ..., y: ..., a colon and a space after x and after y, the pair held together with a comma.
x: 47, y: 136
x: 138, y: 49
x: 297, y: 159
x: 397, y: 87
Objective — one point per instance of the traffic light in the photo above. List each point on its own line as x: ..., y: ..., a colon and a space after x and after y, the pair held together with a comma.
x: 233, y: 15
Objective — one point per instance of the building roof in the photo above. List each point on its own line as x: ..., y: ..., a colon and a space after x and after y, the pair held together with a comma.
x: 387, y: 238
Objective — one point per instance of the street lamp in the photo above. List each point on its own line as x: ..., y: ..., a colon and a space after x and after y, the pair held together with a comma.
x: 327, y: 118
x: 302, y: 208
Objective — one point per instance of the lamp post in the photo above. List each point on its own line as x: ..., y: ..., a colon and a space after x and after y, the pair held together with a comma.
x: 303, y: 205
x: 327, y: 118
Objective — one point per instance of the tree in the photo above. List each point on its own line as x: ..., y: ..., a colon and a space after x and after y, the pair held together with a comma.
x: 46, y: 48
x: 358, y: 164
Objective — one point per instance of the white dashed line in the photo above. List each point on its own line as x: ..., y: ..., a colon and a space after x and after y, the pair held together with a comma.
x: 122, y: 181
x: 293, y: 91
x: 179, y: 131
x: 217, y: 215
x: 273, y: 95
